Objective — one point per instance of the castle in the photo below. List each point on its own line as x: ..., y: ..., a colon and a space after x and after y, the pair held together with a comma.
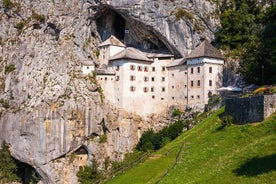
x: 146, y: 83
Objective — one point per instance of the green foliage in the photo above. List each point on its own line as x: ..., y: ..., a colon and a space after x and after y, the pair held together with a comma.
x: 239, y: 154
x: 8, y: 166
x: 153, y: 141
x: 176, y: 112
x: 89, y: 175
x: 7, y: 4
x: 39, y: 17
x: 248, y: 31
x: 183, y: 13
x: 20, y: 25
x: 226, y: 121
x: 4, y: 103
x: 259, y: 65
x: 9, y: 68
x: 103, y: 138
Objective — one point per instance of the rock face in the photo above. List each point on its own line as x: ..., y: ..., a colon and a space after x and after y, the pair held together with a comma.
x: 48, y: 108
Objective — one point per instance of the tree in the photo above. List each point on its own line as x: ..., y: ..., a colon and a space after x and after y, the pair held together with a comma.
x: 8, y: 167
x: 260, y: 59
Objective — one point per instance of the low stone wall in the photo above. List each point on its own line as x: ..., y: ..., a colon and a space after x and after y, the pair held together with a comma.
x: 251, y: 109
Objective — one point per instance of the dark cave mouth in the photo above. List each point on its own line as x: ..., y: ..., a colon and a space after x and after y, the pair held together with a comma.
x: 130, y: 32
x: 26, y: 173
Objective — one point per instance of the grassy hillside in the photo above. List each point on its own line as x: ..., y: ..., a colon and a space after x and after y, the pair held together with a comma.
x: 208, y: 154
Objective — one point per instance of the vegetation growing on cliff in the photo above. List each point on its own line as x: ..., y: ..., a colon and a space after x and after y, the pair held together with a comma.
x: 8, y: 167
x: 248, y: 31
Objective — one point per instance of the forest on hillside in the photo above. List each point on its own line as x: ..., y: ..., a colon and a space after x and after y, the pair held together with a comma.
x: 248, y: 31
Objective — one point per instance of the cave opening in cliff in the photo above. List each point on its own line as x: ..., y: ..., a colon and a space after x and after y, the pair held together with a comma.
x: 129, y: 31
x: 110, y: 23
x: 26, y: 173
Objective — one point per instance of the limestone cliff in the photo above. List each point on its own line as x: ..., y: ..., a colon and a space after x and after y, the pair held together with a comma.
x: 48, y: 108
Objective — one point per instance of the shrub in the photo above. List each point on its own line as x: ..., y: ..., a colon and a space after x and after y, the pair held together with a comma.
x: 4, y: 103
x: 176, y: 112
x: 260, y: 90
x: 103, y: 138
x: 8, y: 167
x: 89, y: 174
x: 226, y: 121
x: 183, y: 13
x: 38, y: 17
x: 9, y: 68
x: 20, y: 25
x: 154, y: 141
x: 7, y: 4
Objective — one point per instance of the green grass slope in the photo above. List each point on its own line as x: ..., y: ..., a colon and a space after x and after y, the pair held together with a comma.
x: 208, y: 154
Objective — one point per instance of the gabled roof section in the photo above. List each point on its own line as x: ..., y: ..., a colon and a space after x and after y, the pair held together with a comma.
x: 205, y: 49
x: 112, y: 40
x: 177, y: 62
x: 130, y: 53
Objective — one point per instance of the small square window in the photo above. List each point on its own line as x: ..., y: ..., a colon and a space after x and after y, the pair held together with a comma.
x: 153, y: 97
x: 162, y: 98
x: 132, y: 67
x: 173, y: 98
x: 146, y: 69
x: 105, y: 78
x: 163, y: 68
x: 192, y: 96
x: 152, y: 89
x: 117, y: 68
x: 152, y: 79
x: 140, y: 68
x: 146, y: 89
x: 173, y: 87
x: 163, y: 79
x: 172, y: 75
x: 198, y: 96
x: 146, y: 79
x: 163, y: 89
x: 87, y: 67
x: 153, y: 69
x: 132, y: 78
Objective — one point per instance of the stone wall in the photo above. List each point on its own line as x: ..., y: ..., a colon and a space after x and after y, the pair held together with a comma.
x: 251, y: 109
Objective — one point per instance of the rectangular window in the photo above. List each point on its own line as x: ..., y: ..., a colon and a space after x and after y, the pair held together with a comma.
x: 152, y: 79
x: 163, y: 89
x: 192, y: 83
x: 132, y: 88
x: 192, y: 70
x: 146, y: 79
x: 146, y: 69
x: 210, y: 69
x: 132, y: 67
x: 210, y: 83
x: 163, y: 79
x: 198, y: 83
x: 132, y: 78
x: 163, y: 68
x: 172, y: 75
x: 173, y: 87
x: 146, y: 89
x: 152, y: 89
x: 153, y: 69
x: 198, y: 69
